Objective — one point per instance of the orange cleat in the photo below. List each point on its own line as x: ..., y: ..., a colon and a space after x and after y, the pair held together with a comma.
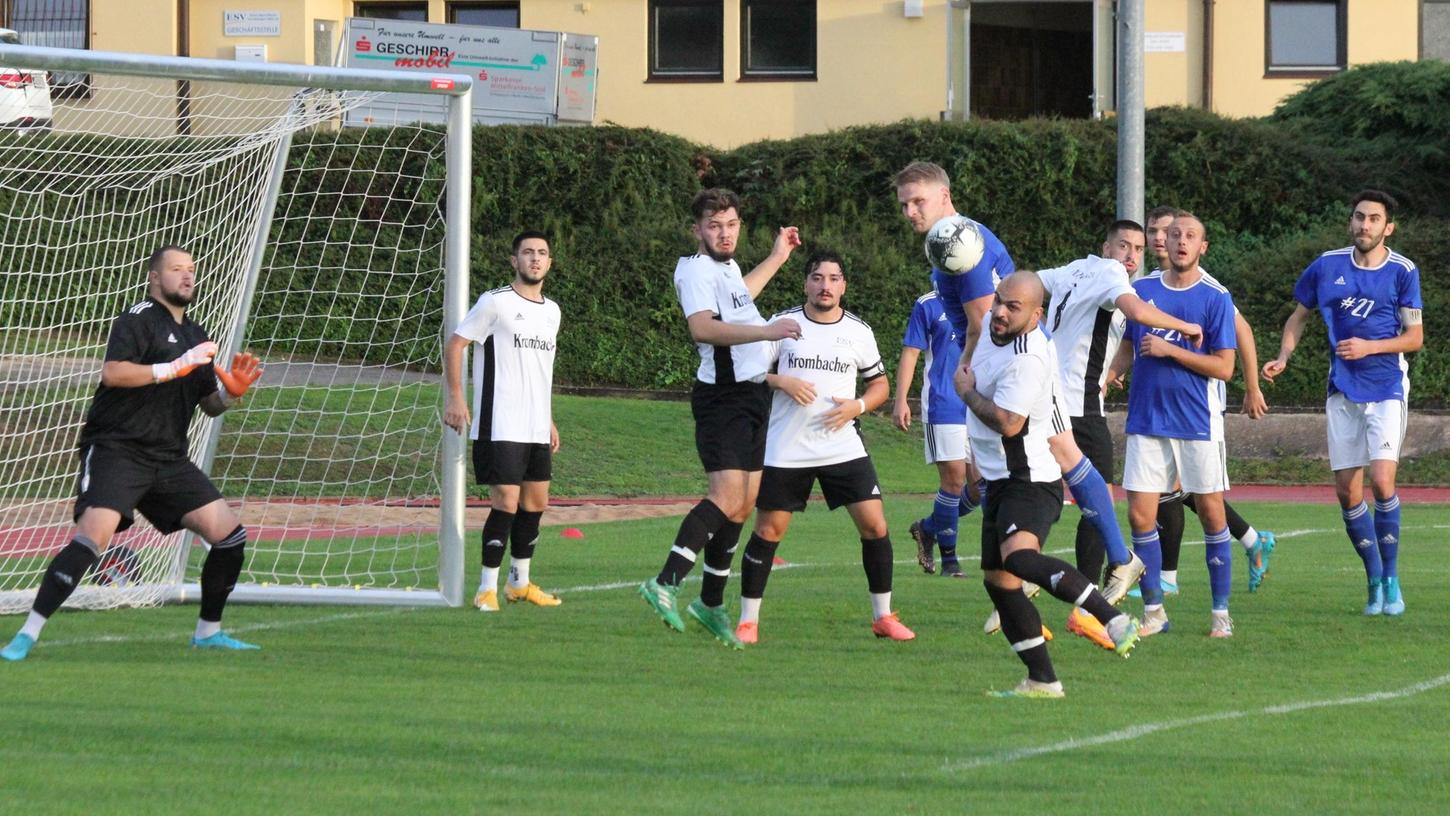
x: 1082, y: 624
x: 892, y: 627
x: 748, y: 633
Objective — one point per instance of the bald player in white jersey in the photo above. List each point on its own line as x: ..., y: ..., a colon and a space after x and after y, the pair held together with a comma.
x: 815, y: 436
x: 1085, y: 296
x: 1013, y: 399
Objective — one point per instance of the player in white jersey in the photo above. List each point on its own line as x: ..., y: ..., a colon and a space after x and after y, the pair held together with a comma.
x: 1012, y: 394
x: 1175, y: 418
x: 1085, y: 295
x: 1258, y: 544
x: 730, y: 403
x: 1369, y: 298
x: 515, y: 331
x: 815, y: 435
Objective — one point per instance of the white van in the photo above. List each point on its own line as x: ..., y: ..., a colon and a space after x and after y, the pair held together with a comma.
x: 24, y: 95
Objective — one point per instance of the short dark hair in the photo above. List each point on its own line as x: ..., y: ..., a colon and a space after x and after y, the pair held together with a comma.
x: 1161, y: 211
x: 526, y: 235
x: 1378, y: 197
x: 821, y: 256
x: 713, y: 200
x: 1125, y: 225
x: 153, y: 264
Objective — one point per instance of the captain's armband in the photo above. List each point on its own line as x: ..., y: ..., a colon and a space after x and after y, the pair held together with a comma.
x: 1409, y: 317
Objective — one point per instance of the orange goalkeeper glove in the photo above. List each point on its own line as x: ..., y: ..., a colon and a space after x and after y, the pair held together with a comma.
x: 246, y: 369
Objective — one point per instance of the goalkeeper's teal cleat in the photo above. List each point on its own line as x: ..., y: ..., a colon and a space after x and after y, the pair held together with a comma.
x: 221, y: 640
x: 1394, y: 600
x: 661, y: 598
x: 714, y: 619
x: 18, y: 648
x: 1259, y: 559
x: 1376, y: 603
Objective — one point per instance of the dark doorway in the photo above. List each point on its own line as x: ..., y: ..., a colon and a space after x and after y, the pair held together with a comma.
x: 1032, y: 59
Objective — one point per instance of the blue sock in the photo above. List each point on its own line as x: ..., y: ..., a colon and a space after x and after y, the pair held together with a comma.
x: 942, y: 523
x: 1218, y: 553
x: 1387, y: 532
x: 967, y: 505
x: 1361, y: 534
x: 1148, y: 548
x: 1096, y: 503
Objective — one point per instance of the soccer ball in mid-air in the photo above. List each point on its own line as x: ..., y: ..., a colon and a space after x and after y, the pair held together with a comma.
x: 954, y: 245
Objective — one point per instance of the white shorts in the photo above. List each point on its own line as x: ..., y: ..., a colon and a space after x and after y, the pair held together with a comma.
x: 1361, y: 432
x: 1154, y: 464
x: 945, y: 443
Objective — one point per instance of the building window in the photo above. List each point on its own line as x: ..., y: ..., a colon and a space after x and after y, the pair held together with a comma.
x: 412, y: 12
x: 1304, y: 36
x: 777, y: 39
x: 55, y: 24
x: 497, y: 15
x: 686, y: 40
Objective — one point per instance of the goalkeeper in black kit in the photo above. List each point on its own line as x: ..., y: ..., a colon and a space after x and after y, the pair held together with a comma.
x: 133, y: 450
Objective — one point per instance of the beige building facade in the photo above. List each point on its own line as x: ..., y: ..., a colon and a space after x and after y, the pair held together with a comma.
x: 727, y: 72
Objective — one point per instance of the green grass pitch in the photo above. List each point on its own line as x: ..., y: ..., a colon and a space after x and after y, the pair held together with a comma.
x: 594, y: 707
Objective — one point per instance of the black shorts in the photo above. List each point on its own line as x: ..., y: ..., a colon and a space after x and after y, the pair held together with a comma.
x: 116, y: 480
x: 1096, y: 442
x: 842, y: 484
x: 730, y: 424
x: 511, y: 463
x: 1031, y: 507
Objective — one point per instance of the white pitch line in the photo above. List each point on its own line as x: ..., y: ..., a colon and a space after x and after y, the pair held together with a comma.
x: 252, y: 627
x: 1144, y: 729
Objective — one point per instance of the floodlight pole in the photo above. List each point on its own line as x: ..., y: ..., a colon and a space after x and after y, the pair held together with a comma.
x: 1130, y: 110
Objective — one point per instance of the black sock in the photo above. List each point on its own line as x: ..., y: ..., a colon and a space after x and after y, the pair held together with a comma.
x: 1061, y: 580
x: 524, y: 533
x: 219, y: 573
x: 495, y: 536
x: 699, y: 524
x: 755, y: 566
x: 1022, y: 627
x: 65, y: 571
x: 1170, y: 527
x: 1089, y: 550
x: 876, y: 558
x: 719, y: 553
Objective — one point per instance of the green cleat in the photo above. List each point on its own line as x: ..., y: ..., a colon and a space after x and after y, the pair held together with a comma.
x: 1124, y: 632
x: 714, y: 619
x: 1259, y: 559
x: 1030, y: 689
x: 661, y: 597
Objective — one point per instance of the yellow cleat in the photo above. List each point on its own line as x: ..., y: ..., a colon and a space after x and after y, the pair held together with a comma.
x: 1082, y: 624
x: 486, y: 601
x: 532, y: 594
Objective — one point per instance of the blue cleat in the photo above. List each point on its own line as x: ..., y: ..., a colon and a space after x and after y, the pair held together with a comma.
x: 1169, y: 588
x: 18, y: 648
x: 221, y: 640
x: 1376, y: 604
x: 1259, y: 559
x: 1394, y: 600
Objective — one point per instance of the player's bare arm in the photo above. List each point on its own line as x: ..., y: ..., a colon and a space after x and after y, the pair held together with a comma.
x: 1002, y: 421
x: 1120, y: 366
x: 1293, y: 330
x: 976, y: 310
x: 1141, y: 311
x: 905, y: 373
x: 1255, y: 405
x: 553, y: 437
x: 848, y: 408
x: 801, y: 392
x: 786, y: 240
x: 704, y: 328
x: 1218, y: 365
x: 455, y: 407
x: 1357, y: 348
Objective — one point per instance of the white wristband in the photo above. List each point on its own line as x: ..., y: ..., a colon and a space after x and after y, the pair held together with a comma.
x: 861, y: 403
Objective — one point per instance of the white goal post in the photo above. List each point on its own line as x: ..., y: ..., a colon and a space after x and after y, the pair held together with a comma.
x: 340, y: 256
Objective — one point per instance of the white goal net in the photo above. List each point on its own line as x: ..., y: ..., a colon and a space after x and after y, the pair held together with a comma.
x: 325, y: 250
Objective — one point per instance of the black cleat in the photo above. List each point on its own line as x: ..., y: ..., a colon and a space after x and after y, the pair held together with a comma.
x: 925, y: 542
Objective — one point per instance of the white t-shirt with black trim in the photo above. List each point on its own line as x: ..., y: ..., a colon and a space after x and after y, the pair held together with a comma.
x: 704, y: 284
x: 1020, y: 377
x: 1084, y: 299
x: 832, y: 357
x: 513, y: 366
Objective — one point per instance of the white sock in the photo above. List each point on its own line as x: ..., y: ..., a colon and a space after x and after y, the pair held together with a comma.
x: 33, y: 625
x: 1171, y: 576
x: 1220, y: 613
x: 1250, y: 538
x: 205, y: 629
x: 519, y: 572
x: 1152, y: 607
x: 750, y: 609
x: 880, y: 605
x: 489, y: 582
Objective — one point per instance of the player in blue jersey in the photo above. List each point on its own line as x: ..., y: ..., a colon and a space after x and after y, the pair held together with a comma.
x: 923, y: 190
x: 943, y: 421
x: 1175, y: 417
x: 1369, y: 297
